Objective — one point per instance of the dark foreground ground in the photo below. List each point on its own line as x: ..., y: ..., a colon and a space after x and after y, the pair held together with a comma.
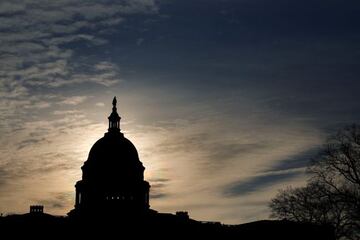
x: 157, y: 226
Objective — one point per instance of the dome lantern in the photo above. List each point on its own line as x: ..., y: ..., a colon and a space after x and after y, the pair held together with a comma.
x: 114, y: 118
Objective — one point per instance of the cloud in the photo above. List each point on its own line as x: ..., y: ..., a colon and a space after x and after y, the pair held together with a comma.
x: 4, y: 175
x: 40, y: 153
x: 42, y: 48
x: 158, y: 186
x: 139, y: 41
x: 11, y: 8
x: 227, y: 160
x: 281, y: 171
x: 297, y: 161
x: 66, y: 112
x: 104, y: 65
x: 39, y: 38
x: 259, y: 183
x: 30, y: 142
x: 157, y: 195
x: 58, y: 41
x: 100, y: 104
x: 40, y: 139
x: 56, y: 201
x: 75, y: 100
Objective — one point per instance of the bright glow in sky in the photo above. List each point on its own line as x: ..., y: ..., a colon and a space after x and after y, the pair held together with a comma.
x: 225, y: 100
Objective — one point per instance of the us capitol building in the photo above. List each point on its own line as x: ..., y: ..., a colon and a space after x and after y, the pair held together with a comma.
x: 112, y: 176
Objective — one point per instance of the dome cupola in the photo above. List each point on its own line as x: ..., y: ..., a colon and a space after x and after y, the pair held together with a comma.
x: 114, y: 118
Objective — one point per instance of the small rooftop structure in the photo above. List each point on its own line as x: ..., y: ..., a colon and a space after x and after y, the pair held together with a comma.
x: 37, y: 209
x: 182, y: 214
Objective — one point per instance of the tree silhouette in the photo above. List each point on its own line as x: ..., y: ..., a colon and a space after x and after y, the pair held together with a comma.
x: 332, y: 195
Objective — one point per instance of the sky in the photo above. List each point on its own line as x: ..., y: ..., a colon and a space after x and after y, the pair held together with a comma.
x: 225, y: 100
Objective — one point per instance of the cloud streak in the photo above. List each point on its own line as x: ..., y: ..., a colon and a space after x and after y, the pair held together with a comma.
x: 74, y: 100
x: 40, y: 49
x: 258, y: 183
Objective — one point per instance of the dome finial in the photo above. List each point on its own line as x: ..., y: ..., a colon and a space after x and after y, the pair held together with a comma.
x: 114, y: 101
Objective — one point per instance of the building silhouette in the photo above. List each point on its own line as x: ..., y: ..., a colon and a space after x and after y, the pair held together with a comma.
x: 112, y: 176
x: 36, y: 209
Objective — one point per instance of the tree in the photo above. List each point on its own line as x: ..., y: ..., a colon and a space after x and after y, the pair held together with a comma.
x: 332, y: 195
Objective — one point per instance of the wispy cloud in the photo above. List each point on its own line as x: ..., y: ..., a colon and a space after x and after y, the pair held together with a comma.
x: 40, y: 42
x: 56, y: 201
x: 139, y: 41
x: 100, y: 104
x: 226, y: 161
x: 75, y: 100
x: 258, y: 183
x: 157, y: 187
x: 40, y: 152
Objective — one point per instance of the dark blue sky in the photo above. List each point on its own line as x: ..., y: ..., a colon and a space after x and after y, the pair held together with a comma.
x: 226, y: 100
x: 298, y: 57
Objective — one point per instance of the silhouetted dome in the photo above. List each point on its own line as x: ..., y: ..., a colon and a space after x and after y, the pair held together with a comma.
x: 113, y: 157
x: 113, y: 147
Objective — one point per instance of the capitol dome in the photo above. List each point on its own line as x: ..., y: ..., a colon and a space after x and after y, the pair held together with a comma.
x: 113, y: 157
x: 114, y: 145
x: 113, y: 176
